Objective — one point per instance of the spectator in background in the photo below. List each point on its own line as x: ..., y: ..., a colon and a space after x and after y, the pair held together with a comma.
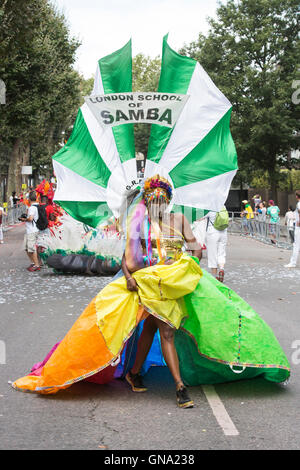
x: 289, y: 221
x: 2, y: 213
x: 257, y: 200
x: 216, y: 241
x: 13, y: 199
x: 44, y: 233
x: 248, y: 216
x: 256, y: 220
x: 296, y: 245
x: 49, y: 208
x: 273, y: 212
x: 30, y: 189
x: 261, y: 213
x: 21, y: 198
x: 31, y: 236
x: 16, y: 200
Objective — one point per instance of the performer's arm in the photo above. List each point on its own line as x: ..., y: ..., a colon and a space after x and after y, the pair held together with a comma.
x: 28, y: 218
x: 131, y: 284
x: 189, y: 237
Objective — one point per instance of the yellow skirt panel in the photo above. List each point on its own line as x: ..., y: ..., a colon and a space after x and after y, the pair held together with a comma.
x: 160, y: 289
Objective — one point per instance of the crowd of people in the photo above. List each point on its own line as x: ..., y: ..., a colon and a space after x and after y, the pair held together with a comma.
x: 266, y: 213
x: 17, y: 200
x: 10, y: 209
x: 39, y: 215
x: 268, y: 216
x: 259, y: 217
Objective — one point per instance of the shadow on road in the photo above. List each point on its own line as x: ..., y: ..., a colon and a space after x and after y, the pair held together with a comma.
x: 160, y: 387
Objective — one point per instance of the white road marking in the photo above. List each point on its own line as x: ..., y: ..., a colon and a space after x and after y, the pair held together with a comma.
x: 219, y: 411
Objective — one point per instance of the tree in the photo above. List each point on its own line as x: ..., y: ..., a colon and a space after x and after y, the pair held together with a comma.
x: 145, y: 73
x: 252, y: 54
x: 86, y: 87
x: 36, y: 57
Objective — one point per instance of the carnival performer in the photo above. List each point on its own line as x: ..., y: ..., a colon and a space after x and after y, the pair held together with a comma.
x: 208, y: 333
x: 168, y: 232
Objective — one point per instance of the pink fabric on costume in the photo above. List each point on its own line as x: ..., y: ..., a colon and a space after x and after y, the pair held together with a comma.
x: 102, y: 377
x: 37, y: 368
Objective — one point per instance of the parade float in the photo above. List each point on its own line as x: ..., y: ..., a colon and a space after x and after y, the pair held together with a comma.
x: 190, y: 145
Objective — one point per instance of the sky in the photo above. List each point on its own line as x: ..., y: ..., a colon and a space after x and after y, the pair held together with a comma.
x: 104, y: 26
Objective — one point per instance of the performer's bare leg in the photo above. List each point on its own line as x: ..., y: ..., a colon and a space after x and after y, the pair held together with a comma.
x: 167, y: 344
x: 170, y: 355
x: 169, y: 351
x: 144, y: 344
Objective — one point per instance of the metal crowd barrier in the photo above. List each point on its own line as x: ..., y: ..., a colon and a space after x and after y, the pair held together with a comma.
x: 12, y: 214
x: 277, y: 234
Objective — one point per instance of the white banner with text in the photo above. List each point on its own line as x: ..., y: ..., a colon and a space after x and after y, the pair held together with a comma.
x: 139, y: 107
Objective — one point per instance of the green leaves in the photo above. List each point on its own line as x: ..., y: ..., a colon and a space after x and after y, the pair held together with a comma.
x: 145, y: 74
x: 145, y: 77
x: 36, y: 58
x: 252, y: 54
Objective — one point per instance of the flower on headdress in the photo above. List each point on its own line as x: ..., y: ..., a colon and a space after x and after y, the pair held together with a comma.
x: 157, y: 187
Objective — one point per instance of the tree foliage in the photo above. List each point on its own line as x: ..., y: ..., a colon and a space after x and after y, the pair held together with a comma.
x: 36, y: 58
x: 288, y: 180
x: 86, y: 87
x: 145, y: 77
x: 252, y: 54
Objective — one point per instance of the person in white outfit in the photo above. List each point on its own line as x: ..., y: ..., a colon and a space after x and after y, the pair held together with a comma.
x: 289, y: 221
x: 32, y: 233
x: 1, y: 224
x: 296, y: 244
x: 216, y: 241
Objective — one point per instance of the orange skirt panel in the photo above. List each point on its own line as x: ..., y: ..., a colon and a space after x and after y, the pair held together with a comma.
x: 81, y: 353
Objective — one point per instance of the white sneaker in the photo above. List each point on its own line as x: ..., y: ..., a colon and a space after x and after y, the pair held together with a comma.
x: 289, y: 265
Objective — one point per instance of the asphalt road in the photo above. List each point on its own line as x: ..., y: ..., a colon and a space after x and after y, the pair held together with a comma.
x: 37, y: 309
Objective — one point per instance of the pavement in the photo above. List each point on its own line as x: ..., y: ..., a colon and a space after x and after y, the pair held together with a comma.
x: 37, y: 309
